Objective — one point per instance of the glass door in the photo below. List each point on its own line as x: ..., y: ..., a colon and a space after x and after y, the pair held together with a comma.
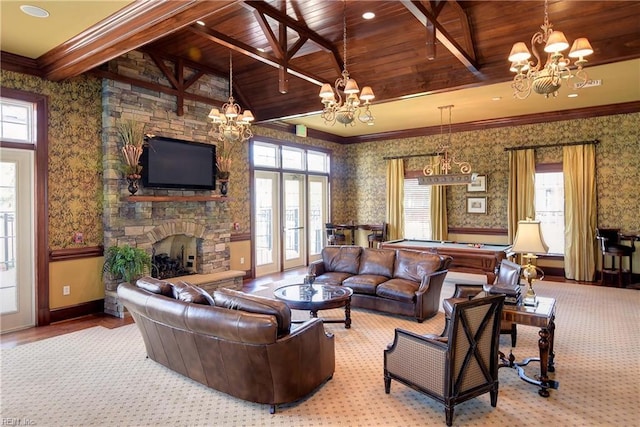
x: 295, y: 212
x: 318, y: 215
x: 16, y: 240
x: 267, y: 222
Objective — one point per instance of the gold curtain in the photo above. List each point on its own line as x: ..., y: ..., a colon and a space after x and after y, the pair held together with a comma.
x: 395, y: 198
x: 522, y: 173
x: 438, y: 208
x: 580, y: 207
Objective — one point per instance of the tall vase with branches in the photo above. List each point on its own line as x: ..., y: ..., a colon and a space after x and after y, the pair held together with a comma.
x: 225, y: 150
x: 132, y: 137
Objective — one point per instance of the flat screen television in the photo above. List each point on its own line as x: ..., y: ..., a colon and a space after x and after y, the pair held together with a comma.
x: 173, y: 163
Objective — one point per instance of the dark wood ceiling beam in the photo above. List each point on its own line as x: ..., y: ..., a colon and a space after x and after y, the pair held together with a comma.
x: 302, y: 30
x: 251, y: 52
x: 268, y: 33
x: 424, y: 16
x: 135, y: 25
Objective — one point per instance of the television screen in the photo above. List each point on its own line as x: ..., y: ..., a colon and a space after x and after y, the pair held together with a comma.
x: 173, y: 163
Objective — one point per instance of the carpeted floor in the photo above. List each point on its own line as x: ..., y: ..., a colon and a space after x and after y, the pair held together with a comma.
x: 100, y: 377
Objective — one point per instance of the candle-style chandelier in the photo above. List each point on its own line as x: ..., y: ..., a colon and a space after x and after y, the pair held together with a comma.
x: 233, y: 124
x: 343, y: 104
x: 547, y: 79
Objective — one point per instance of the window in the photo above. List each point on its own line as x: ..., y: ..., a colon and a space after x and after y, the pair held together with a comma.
x: 417, y: 211
x: 17, y: 122
x: 292, y: 158
x: 549, y: 206
x: 265, y: 155
x: 317, y: 162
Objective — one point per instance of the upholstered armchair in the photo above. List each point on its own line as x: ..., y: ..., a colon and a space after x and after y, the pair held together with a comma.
x: 508, y: 277
x: 455, y: 368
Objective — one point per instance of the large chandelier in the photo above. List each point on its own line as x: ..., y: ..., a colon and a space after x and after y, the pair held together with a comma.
x: 546, y: 80
x: 347, y: 106
x: 233, y: 125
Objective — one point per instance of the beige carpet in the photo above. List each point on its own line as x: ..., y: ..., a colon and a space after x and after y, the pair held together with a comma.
x: 100, y: 377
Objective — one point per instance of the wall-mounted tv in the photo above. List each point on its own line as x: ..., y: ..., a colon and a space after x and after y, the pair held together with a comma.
x: 173, y: 163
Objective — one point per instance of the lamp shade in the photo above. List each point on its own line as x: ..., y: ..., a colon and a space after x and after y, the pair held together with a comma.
x: 557, y: 42
x: 580, y: 48
x: 519, y: 52
x: 529, y: 238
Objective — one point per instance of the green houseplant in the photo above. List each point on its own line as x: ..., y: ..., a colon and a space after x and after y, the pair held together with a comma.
x: 126, y: 263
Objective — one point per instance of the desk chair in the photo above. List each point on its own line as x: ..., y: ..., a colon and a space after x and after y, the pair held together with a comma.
x: 610, y: 246
x: 378, y: 235
x: 335, y: 235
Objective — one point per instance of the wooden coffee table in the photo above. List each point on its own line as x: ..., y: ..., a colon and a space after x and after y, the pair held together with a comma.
x: 317, y: 297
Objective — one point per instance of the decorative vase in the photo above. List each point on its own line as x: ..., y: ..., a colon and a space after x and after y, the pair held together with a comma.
x: 224, y: 187
x: 133, y: 185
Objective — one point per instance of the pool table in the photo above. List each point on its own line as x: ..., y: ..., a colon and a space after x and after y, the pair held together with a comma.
x: 467, y: 257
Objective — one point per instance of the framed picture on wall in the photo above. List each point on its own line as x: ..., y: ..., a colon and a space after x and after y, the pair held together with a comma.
x: 477, y: 205
x: 480, y: 184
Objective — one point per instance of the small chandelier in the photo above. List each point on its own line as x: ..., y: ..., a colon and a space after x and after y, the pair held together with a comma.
x: 444, y: 164
x: 348, y: 106
x: 546, y: 80
x: 233, y: 125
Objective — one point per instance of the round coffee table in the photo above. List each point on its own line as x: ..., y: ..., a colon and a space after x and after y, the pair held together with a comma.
x: 317, y: 297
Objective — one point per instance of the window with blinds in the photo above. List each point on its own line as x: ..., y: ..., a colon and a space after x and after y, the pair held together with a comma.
x: 417, y: 216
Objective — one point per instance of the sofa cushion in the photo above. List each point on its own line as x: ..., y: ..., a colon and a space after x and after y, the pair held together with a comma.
x: 332, y: 278
x: 364, y: 283
x: 379, y: 262
x: 413, y: 265
x: 187, y: 292
x: 155, y: 286
x: 236, y: 300
x: 343, y: 259
x: 398, y: 289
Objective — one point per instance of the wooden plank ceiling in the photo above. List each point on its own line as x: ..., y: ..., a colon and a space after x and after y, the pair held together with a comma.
x: 283, y: 50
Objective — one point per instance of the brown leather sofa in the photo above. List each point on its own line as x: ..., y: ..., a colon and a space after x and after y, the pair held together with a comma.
x: 234, y: 342
x: 397, y: 281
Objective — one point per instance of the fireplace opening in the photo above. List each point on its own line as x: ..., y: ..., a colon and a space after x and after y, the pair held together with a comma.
x: 174, y: 256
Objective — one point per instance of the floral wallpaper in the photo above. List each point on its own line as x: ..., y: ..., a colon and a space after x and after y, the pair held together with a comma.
x: 75, y: 156
x: 617, y: 169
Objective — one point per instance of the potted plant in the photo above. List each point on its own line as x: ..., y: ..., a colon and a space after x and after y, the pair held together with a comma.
x: 132, y: 135
x: 126, y: 263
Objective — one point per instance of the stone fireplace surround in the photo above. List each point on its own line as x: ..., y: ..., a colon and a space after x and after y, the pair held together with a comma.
x: 158, y: 213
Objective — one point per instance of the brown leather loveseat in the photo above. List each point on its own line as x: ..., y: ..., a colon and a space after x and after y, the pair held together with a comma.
x: 398, y: 281
x: 234, y: 342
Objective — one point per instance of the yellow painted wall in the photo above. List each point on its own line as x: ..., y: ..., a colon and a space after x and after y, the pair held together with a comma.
x: 240, y: 251
x: 84, y: 276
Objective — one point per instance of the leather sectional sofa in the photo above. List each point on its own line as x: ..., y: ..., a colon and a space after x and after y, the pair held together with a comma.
x: 397, y: 281
x: 234, y: 342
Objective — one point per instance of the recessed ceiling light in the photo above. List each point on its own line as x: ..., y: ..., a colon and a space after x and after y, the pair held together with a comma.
x: 368, y: 15
x: 496, y: 98
x: 572, y: 95
x: 35, y: 11
x: 261, y: 49
x: 200, y: 23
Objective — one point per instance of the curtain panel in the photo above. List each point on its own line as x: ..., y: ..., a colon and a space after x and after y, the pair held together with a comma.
x: 580, y: 208
x: 395, y: 198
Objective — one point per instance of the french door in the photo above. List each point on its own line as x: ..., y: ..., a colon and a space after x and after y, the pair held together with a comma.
x: 294, y: 221
x: 290, y: 214
x: 17, y: 285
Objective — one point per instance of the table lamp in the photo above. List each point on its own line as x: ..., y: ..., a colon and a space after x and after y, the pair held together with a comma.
x: 529, y: 242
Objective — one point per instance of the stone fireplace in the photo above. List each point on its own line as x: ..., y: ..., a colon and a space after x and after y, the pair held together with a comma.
x: 174, y: 256
x: 153, y: 215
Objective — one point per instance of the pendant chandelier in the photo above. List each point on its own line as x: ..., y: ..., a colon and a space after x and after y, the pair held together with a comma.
x: 438, y: 172
x: 233, y: 124
x: 547, y: 79
x: 342, y: 103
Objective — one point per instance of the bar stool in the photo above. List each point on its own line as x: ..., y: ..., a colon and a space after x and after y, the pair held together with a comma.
x: 610, y: 246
